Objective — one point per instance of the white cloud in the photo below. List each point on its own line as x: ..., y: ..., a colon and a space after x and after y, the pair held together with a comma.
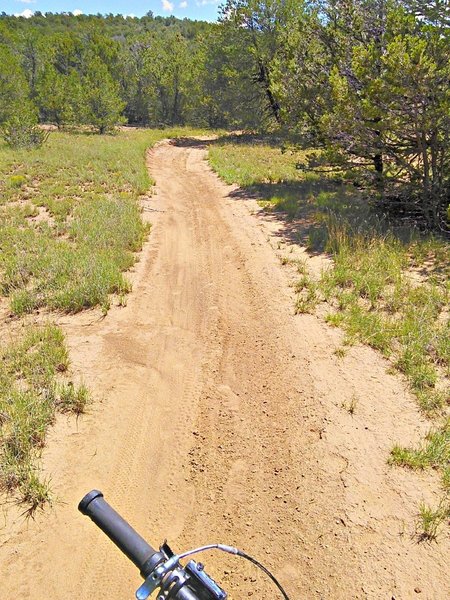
x: 206, y: 2
x: 27, y: 13
x: 27, y: 1
x: 166, y: 5
x: 77, y: 12
x: 183, y: 4
x: 130, y: 16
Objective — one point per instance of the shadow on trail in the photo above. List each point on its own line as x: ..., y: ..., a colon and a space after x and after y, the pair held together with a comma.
x: 300, y: 210
x: 190, y: 142
x: 292, y: 205
x: 258, y: 139
x: 313, y: 211
x: 233, y: 139
x: 291, y: 202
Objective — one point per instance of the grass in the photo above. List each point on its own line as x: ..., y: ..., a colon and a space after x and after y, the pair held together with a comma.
x: 388, y: 286
x: 430, y: 520
x: 86, y: 191
x: 33, y: 387
x: 250, y: 160
x: 433, y: 453
x: 378, y: 302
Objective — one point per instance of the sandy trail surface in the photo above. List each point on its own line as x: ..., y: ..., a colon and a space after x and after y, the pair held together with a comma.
x: 219, y: 417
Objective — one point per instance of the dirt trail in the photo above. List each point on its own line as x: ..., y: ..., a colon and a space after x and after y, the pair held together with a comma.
x: 219, y: 418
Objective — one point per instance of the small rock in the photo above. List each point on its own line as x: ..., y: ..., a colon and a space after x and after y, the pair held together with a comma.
x: 417, y: 590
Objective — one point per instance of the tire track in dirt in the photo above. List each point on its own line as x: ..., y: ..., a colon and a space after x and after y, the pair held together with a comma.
x: 218, y: 419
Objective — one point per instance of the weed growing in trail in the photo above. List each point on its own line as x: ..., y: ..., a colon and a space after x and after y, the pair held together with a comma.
x: 434, y: 453
x: 32, y: 388
x: 350, y: 405
x: 307, y: 295
x: 430, y: 520
x: 71, y: 398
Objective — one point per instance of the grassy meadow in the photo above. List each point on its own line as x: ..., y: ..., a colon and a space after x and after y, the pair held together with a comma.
x: 70, y: 225
x: 388, y: 286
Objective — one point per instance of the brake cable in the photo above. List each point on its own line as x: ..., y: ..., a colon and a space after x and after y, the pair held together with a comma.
x: 235, y: 552
x: 161, y: 569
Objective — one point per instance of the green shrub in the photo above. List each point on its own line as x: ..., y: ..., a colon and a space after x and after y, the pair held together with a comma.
x: 23, y: 133
x: 16, y: 181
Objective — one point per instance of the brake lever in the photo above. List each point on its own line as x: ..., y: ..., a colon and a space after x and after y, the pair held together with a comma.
x: 170, y: 577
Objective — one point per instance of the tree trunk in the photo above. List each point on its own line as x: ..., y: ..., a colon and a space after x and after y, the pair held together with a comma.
x: 378, y: 157
x: 175, y: 102
x: 427, y: 195
x: 265, y: 80
x: 378, y: 164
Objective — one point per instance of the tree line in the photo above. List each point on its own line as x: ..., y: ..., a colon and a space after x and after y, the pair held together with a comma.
x: 365, y: 82
x: 103, y: 71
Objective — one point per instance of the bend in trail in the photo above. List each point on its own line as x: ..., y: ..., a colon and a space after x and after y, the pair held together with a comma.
x: 220, y: 421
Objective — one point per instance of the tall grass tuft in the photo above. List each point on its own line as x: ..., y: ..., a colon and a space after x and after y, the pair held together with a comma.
x: 31, y: 390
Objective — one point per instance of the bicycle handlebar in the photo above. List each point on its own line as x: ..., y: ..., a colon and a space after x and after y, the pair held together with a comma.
x: 160, y: 569
x: 120, y: 532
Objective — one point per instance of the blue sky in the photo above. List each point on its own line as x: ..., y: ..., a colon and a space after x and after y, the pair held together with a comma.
x: 193, y: 9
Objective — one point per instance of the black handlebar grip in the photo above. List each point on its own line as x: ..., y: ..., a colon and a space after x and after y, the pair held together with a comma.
x: 118, y: 530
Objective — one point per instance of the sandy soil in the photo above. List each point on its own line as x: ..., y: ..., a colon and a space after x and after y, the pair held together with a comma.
x: 220, y: 416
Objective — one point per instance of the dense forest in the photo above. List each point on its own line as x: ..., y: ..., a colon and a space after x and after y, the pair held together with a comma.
x: 363, y: 82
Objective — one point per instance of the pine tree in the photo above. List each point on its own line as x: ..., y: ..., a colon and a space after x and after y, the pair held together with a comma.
x: 102, y: 105
x: 59, y: 96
